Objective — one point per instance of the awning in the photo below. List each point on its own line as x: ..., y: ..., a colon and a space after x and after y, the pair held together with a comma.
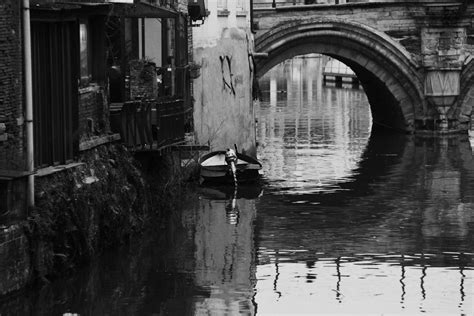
x: 97, y: 7
x: 141, y: 10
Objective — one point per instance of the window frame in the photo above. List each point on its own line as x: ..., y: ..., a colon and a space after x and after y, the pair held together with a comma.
x: 85, y: 77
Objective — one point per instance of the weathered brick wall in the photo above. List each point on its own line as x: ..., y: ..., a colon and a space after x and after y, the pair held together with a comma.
x: 11, y: 127
x: 93, y: 112
x: 143, y: 84
x: 14, y: 259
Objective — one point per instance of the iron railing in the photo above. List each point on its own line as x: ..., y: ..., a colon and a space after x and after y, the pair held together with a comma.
x: 149, y: 124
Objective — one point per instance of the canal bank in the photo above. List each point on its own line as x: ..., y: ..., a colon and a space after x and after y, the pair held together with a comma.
x: 97, y: 203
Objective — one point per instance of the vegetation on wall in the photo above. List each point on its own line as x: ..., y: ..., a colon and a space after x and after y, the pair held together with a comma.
x: 102, y: 203
x: 83, y: 210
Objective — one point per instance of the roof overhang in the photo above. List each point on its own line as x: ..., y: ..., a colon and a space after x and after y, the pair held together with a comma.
x: 141, y: 10
x: 124, y: 8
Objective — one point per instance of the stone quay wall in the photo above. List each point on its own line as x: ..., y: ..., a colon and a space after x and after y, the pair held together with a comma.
x: 100, y: 202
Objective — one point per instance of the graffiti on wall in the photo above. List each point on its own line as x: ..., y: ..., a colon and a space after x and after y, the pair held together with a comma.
x: 227, y: 75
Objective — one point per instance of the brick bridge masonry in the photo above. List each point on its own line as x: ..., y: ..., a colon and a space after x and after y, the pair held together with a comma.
x: 413, y: 58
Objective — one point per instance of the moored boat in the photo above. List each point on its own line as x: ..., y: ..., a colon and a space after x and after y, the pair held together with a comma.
x: 215, y: 168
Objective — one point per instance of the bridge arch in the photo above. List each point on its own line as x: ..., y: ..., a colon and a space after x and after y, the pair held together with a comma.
x: 386, y: 70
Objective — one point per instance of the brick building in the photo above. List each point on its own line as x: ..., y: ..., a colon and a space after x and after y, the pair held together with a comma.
x: 11, y: 89
x: 80, y: 56
x: 83, y: 66
x: 94, y: 43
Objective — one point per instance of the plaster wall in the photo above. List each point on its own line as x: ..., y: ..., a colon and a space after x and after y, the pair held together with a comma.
x: 237, y: 16
x: 223, y: 108
x: 223, y: 104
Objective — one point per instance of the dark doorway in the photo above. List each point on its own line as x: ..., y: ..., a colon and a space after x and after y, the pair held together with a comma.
x: 55, y: 65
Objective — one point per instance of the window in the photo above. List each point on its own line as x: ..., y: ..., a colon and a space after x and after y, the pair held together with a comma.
x: 241, y: 9
x: 222, y: 4
x: 240, y: 5
x: 222, y: 8
x: 84, y: 52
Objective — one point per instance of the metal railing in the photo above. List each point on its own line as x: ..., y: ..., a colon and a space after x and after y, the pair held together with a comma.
x: 149, y: 124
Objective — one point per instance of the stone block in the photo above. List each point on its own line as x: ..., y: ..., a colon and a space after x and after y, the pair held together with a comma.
x: 466, y: 108
x: 443, y: 47
x: 442, y: 83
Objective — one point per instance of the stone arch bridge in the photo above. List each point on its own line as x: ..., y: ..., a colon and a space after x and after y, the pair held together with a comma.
x: 413, y: 58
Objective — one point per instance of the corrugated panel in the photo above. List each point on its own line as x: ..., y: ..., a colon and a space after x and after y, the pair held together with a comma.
x: 54, y: 91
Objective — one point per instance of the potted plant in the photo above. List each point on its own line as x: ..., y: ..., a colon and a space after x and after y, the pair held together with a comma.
x: 194, y: 70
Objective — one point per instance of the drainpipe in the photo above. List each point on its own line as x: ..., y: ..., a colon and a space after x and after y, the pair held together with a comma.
x: 251, y: 17
x: 28, y: 102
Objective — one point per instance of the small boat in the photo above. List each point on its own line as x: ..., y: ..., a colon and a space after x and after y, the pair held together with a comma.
x: 215, y: 167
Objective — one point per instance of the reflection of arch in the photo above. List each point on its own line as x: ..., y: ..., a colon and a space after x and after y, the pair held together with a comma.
x: 385, y: 69
x: 373, y: 195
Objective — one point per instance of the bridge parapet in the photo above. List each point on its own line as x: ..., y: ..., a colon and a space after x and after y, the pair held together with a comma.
x: 419, y: 51
x: 266, y: 4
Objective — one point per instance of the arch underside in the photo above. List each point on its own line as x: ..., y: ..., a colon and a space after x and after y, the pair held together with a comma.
x: 394, y: 94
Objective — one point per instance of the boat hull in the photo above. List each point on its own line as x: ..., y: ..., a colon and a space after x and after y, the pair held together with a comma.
x: 213, y: 168
x: 227, y: 177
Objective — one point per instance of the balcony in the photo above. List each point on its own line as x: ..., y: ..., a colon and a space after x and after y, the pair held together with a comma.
x: 149, y: 124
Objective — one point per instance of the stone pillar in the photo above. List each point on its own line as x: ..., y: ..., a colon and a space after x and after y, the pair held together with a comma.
x: 443, y: 56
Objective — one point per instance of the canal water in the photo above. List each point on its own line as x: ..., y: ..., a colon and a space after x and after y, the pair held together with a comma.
x: 346, y: 220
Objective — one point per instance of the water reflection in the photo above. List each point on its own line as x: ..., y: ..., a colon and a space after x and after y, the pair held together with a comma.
x: 346, y: 227
x: 326, y: 130
x: 347, y: 220
x: 224, y: 255
x: 360, y: 285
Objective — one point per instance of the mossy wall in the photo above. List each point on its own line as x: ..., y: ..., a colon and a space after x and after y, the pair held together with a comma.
x: 82, y: 210
x: 100, y: 202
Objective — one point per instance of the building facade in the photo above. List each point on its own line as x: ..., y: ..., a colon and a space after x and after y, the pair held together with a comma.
x: 68, y: 69
x: 84, y: 57
x: 222, y: 91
